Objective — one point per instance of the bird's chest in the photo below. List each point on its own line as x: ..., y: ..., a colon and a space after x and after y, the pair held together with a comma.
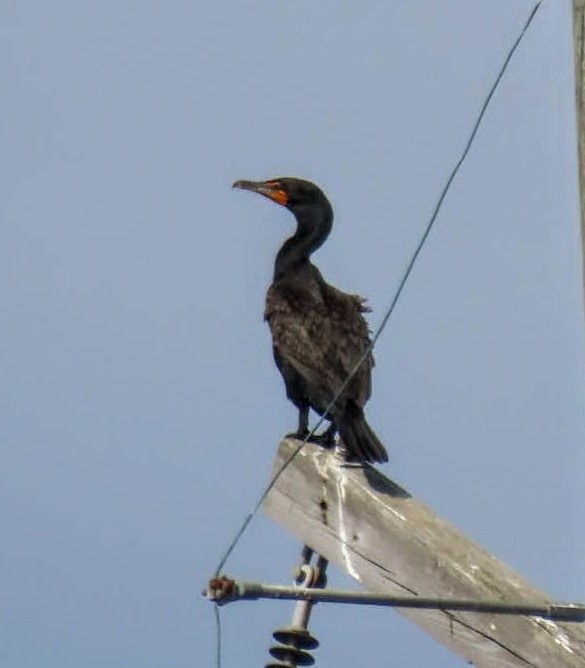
x: 296, y: 312
x: 294, y: 301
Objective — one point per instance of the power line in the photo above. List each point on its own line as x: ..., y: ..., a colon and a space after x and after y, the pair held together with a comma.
x: 395, y: 299
x: 389, y: 311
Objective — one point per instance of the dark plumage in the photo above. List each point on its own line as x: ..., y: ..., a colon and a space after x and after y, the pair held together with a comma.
x: 319, y: 333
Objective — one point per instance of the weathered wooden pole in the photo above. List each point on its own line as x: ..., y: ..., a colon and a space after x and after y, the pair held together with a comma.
x: 393, y: 544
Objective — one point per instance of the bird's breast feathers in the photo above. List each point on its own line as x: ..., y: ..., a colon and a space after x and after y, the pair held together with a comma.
x: 320, y: 331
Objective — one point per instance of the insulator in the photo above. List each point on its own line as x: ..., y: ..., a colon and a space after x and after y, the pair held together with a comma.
x: 295, y: 637
x: 291, y: 656
x: 291, y: 652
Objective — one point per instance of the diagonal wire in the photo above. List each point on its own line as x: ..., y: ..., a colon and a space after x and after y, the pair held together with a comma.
x: 397, y: 295
x: 382, y: 325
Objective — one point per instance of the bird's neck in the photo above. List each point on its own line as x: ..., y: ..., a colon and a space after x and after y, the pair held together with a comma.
x: 313, y: 227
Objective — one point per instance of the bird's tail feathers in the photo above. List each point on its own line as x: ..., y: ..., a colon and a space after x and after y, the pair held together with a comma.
x: 361, y: 443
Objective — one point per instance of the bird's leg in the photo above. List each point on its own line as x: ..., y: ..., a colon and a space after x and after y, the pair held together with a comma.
x: 303, y: 430
x: 327, y: 438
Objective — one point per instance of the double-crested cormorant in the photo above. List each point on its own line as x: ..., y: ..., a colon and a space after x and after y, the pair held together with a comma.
x: 318, y: 332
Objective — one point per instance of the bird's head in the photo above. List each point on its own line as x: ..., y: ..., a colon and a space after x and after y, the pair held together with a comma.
x: 294, y: 194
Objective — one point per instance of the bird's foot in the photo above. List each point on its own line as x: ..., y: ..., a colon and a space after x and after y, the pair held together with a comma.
x: 300, y: 434
x: 325, y: 440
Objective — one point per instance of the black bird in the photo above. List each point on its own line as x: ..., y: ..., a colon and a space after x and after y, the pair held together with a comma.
x: 318, y: 332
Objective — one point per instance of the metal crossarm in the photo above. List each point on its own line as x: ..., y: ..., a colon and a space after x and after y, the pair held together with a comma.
x: 242, y: 590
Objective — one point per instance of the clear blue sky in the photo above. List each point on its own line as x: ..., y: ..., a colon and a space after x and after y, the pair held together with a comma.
x: 140, y: 407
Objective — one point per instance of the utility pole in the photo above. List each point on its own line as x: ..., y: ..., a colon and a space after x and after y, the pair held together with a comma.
x: 395, y: 546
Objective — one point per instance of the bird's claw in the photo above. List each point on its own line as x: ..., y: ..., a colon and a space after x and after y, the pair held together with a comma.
x: 325, y: 440
x: 299, y: 435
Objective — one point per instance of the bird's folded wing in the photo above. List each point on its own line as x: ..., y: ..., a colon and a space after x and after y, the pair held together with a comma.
x: 322, y: 336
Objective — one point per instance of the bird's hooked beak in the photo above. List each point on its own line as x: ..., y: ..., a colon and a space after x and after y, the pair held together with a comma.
x: 271, y: 189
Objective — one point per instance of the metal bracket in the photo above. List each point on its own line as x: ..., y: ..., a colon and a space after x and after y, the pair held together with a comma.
x: 294, y: 641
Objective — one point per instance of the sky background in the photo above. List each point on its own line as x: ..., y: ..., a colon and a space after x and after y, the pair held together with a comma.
x: 140, y: 408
